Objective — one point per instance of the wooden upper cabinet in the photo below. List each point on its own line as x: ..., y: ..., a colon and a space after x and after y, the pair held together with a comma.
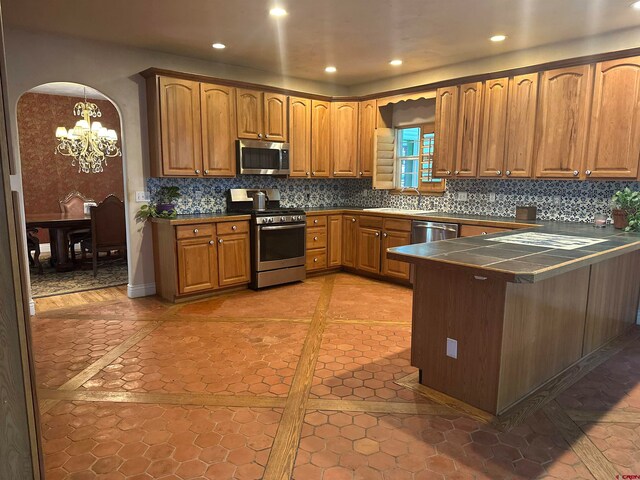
x: 249, y: 113
x: 561, y: 128
x: 344, y: 125
x: 614, y: 137
x: 321, y: 148
x: 521, y: 125
x: 275, y: 117
x: 180, y: 128
x: 218, y: 105
x: 444, y: 151
x: 491, y: 159
x: 468, y: 134
x: 300, y: 137
x: 367, y: 130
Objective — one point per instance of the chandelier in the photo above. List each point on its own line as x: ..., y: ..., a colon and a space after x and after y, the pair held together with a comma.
x: 89, y: 144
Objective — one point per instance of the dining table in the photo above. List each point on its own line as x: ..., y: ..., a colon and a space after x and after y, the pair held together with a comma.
x: 59, y: 225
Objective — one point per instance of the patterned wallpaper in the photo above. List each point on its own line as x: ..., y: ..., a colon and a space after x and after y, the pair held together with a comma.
x: 47, y: 177
x: 576, y: 201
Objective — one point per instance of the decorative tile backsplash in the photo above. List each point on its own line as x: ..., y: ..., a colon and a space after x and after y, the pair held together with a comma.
x: 562, y: 200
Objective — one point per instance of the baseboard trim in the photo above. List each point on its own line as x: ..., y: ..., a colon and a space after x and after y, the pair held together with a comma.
x: 144, y: 290
x: 32, y: 307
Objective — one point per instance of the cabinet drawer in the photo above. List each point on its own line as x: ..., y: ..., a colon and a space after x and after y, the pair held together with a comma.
x: 317, y: 259
x: 317, y: 221
x: 194, y: 231
x: 225, y: 228
x: 397, y: 225
x: 316, y: 238
x: 473, y: 230
x: 370, y: 222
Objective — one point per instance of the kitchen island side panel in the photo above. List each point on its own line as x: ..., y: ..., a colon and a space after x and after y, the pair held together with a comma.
x: 543, y: 332
x: 449, y: 303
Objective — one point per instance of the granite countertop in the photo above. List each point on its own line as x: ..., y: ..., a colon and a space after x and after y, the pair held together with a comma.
x: 524, y: 263
x: 202, y: 218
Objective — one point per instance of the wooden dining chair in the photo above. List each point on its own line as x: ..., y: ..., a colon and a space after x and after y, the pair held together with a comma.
x: 73, y: 204
x: 33, y: 245
x: 108, y: 231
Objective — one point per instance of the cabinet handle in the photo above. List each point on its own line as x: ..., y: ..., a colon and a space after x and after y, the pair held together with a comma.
x: 353, y: 220
x: 576, y: 173
x: 384, y: 234
x: 234, y: 228
x: 335, y: 173
x: 447, y: 172
x: 259, y: 135
x: 587, y: 172
x: 211, y: 242
x: 206, y: 172
x: 315, y: 220
x: 307, y: 174
x: 499, y: 172
x: 456, y: 172
x: 197, y: 172
x: 377, y: 234
x: 266, y: 136
x: 313, y: 174
x: 478, y: 277
x: 508, y: 172
x: 220, y: 240
x: 360, y: 173
x: 315, y: 259
x: 483, y: 233
x: 315, y: 239
x: 195, y: 230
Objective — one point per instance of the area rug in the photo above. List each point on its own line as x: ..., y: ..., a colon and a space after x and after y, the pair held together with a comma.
x: 111, y: 272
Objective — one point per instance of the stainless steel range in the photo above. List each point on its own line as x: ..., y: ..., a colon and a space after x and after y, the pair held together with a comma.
x: 277, y: 237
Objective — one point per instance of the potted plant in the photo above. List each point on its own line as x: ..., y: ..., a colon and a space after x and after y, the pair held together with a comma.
x: 626, y: 204
x: 165, y: 207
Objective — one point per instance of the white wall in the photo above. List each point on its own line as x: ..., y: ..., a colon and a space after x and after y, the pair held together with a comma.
x: 36, y: 58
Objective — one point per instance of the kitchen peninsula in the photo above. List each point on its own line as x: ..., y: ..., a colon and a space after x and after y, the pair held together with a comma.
x: 497, y: 316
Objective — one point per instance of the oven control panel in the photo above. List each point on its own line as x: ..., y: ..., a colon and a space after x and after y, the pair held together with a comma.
x: 280, y: 219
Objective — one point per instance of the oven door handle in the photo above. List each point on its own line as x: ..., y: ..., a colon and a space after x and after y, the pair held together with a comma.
x: 282, y: 227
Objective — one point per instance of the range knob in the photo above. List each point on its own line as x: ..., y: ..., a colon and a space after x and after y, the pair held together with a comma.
x: 270, y: 219
x: 283, y: 219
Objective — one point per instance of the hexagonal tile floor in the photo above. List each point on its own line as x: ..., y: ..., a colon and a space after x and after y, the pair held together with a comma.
x: 242, y: 386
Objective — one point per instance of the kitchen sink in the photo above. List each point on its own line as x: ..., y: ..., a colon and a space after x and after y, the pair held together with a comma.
x: 398, y: 211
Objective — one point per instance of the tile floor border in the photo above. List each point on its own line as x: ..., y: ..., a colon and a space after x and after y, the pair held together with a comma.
x: 379, y: 407
x: 603, y: 416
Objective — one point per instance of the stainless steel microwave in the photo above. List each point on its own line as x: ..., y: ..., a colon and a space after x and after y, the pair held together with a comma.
x: 263, y: 158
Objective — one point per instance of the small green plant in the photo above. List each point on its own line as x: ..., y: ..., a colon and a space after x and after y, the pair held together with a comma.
x: 634, y: 223
x: 148, y: 211
x: 626, y: 208
x: 168, y: 195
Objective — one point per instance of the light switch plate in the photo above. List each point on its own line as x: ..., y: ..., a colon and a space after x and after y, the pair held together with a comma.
x: 462, y: 196
x: 452, y: 348
x: 492, y: 197
x: 142, y: 197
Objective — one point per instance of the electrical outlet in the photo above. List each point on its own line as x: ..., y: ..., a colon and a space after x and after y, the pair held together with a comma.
x: 462, y: 196
x: 142, y: 197
x: 557, y: 200
x: 452, y: 348
x: 197, y: 195
x: 492, y: 197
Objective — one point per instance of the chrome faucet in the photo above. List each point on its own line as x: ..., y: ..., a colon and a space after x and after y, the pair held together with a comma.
x: 418, y: 192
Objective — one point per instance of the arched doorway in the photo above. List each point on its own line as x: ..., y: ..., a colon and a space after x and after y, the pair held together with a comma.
x: 56, y: 184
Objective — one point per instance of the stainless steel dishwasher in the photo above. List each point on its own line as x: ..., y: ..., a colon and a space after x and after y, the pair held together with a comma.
x: 422, y: 232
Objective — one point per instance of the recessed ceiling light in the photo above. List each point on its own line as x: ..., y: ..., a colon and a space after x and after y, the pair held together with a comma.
x: 498, y: 38
x: 277, y: 12
x: 636, y: 5
x: 396, y: 62
x: 330, y: 69
x: 219, y: 46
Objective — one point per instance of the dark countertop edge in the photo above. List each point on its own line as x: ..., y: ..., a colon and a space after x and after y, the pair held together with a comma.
x: 520, y: 277
x: 202, y: 218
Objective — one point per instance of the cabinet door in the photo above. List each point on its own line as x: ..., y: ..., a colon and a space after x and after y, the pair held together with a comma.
x: 521, y: 125
x: 197, y: 268
x: 444, y: 148
x: 369, y: 245
x: 180, y: 129
x: 233, y: 259
x: 334, y: 249
x: 561, y: 128
x: 349, y: 245
x: 249, y: 113
x: 491, y: 159
x: 300, y: 137
x: 344, y: 123
x: 218, y: 104
x: 394, y: 268
x: 275, y: 117
x: 320, y: 138
x: 367, y: 130
x: 468, y: 134
x: 614, y: 142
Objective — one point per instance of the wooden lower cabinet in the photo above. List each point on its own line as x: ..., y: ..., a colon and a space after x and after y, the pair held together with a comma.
x: 233, y: 259
x: 474, y: 230
x: 334, y: 247
x: 196, y: 265
x: 368, y: 249
x: 349, y: 239
x: 395, y: 268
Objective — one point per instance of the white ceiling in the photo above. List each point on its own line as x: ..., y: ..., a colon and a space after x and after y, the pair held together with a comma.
x: 359, y: 37
x: 68, y: 89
